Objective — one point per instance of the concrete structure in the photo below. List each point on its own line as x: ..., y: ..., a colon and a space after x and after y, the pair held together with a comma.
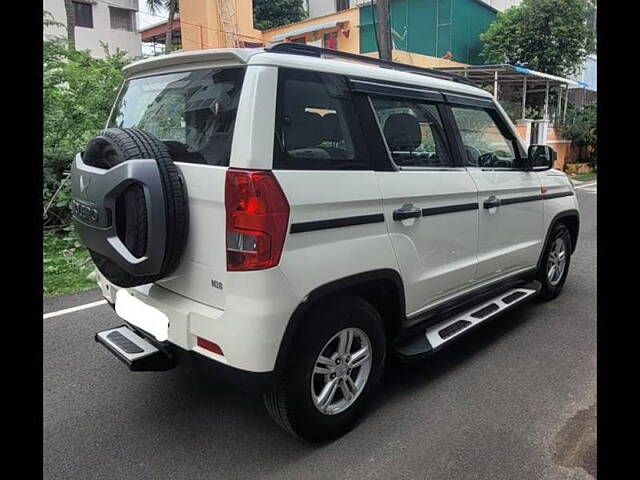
x: 228, y: 23
x: 112, y: 22
x: 438, y: 28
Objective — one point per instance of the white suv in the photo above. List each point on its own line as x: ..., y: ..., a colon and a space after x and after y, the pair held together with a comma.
x: 290, y: 220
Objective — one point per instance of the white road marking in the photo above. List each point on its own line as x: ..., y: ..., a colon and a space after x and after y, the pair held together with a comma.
x: 587, y: 185
x: 74, y: 309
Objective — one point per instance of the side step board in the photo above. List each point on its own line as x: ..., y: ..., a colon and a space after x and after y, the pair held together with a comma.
x: 437, y: 336
x: 136, y: 352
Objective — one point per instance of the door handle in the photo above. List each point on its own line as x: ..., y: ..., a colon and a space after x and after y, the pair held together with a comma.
x: 407, y: 211
x: 492, y: 202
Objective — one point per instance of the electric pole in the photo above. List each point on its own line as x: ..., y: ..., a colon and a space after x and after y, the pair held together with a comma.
x: 383, y: 12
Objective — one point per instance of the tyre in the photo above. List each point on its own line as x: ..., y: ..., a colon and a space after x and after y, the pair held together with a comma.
x: 555, y: 262
x: 333, y: 368
x: 112, y: 147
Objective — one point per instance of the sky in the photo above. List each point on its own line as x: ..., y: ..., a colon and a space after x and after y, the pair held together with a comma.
x: 145, y: 18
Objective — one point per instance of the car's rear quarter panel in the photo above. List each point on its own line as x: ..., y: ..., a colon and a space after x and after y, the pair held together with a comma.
x: 314, y: 258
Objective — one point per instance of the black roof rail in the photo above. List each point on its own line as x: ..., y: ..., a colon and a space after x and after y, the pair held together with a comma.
x: 311, y: 51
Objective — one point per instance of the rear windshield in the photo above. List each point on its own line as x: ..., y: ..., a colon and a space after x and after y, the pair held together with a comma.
x: 192, y: 112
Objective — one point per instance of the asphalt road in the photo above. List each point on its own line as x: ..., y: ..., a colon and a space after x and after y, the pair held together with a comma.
x: 513, y: 400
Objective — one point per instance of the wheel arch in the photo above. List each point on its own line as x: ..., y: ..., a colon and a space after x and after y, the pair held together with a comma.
x: 571, y: 219
x: 383, y: 288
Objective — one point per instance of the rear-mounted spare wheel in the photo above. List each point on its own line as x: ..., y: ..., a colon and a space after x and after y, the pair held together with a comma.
x: 130, y: 206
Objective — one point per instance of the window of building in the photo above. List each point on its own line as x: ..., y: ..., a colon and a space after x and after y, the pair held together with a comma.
x: 299, y: 40
x: 84, y: 14
x: 484, y: 142
x: 122, y: 19
x: 316, y: 124
x: 342, y: 5
x: 330, y: 40
x: 413, y: 131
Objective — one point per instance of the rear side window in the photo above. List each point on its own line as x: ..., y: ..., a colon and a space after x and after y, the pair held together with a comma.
x: 316, y: 125
x: 413, y: 131
x: 192, y: 112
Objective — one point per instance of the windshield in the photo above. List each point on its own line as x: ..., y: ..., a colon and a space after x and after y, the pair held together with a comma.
x: 192, y: 112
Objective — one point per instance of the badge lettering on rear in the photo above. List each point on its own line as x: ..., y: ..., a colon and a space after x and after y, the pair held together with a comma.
x: 216, y: 284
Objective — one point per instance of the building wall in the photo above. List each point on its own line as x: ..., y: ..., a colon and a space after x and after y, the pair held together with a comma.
x: 433, y: 27
x: 200, y: 24
x: 90, y: 38
x: 502, y: 4
x: 350, y: 43
x: 319, y: 8
x: 588, y: 72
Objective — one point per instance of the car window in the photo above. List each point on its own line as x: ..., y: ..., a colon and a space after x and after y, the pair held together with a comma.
x: 484, y: 143
x: 413, y: 132
x: 193, y: 112
x: 315, y: 123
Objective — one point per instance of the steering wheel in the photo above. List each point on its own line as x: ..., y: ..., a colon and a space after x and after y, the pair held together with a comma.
x: 473, y: 154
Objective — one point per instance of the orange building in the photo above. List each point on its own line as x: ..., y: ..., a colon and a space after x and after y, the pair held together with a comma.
x: 229, y: 23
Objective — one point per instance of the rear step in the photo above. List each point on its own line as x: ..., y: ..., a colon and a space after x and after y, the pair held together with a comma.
x: 136, y: 352
x: 436, y: 336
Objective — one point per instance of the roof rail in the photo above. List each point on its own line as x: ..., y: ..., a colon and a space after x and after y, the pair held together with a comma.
x: 311, y: 51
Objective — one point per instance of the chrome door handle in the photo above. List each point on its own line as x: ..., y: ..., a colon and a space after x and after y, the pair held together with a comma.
x: 407, y: 211
x: 492, y: 202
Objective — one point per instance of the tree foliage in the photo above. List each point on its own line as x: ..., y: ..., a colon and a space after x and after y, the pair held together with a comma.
x: 580, y: 127
x: 78, y: 92
x: 551, y: 36
x: 275, y: 13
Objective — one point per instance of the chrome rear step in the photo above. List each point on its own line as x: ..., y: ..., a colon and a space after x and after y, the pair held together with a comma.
x: 436, y: 336
x: 135, y: 351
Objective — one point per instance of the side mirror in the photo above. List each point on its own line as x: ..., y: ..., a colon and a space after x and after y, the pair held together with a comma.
x: 541, y: 157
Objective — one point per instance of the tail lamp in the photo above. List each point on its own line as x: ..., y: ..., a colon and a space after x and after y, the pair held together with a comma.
x: 257, y: 218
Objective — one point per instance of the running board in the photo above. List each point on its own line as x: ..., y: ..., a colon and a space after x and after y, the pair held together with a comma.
x: 136, y: 352
x: 436, y: 336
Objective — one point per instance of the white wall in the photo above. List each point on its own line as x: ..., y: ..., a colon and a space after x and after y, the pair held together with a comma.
x: 90, y: 38
x: 502, y: 4
x: 318, y: 8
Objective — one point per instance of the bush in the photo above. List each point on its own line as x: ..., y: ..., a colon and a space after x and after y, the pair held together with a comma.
x: 78, y: 92
x: 580, y: 126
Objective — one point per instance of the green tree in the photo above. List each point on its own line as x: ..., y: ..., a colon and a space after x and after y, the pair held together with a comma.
x: 78, y: 92
x: 173, y: 6
x: 275, y: 13
x: 551, y: 36
x: 580, y: 127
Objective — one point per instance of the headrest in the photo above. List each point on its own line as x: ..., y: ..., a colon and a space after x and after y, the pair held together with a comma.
x: 305, y: 130
x: 402, y: 132
x: 331, y: 130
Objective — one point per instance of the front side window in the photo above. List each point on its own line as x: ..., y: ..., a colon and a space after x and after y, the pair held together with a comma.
x: 413, y: 132
x: 316, y: 125
x: 84, y: 14
x: 484, y: 143
x: 192, y: 112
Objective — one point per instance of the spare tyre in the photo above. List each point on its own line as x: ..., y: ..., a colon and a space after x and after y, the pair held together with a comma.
x: 129, y: 205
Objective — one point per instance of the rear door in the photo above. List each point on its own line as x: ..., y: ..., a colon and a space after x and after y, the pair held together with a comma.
x: 510, y: 196
x: 193, y: 112
x: 430, y: 202
x: 322, y: 162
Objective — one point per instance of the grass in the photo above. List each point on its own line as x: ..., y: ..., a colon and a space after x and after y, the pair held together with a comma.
x: 66, y: 264
x: 585, y: 177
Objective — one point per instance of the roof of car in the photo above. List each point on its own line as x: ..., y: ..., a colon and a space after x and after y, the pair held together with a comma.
x: 259, y: 56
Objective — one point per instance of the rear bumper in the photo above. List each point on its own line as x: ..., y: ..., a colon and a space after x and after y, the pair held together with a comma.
x: 248, y: 331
